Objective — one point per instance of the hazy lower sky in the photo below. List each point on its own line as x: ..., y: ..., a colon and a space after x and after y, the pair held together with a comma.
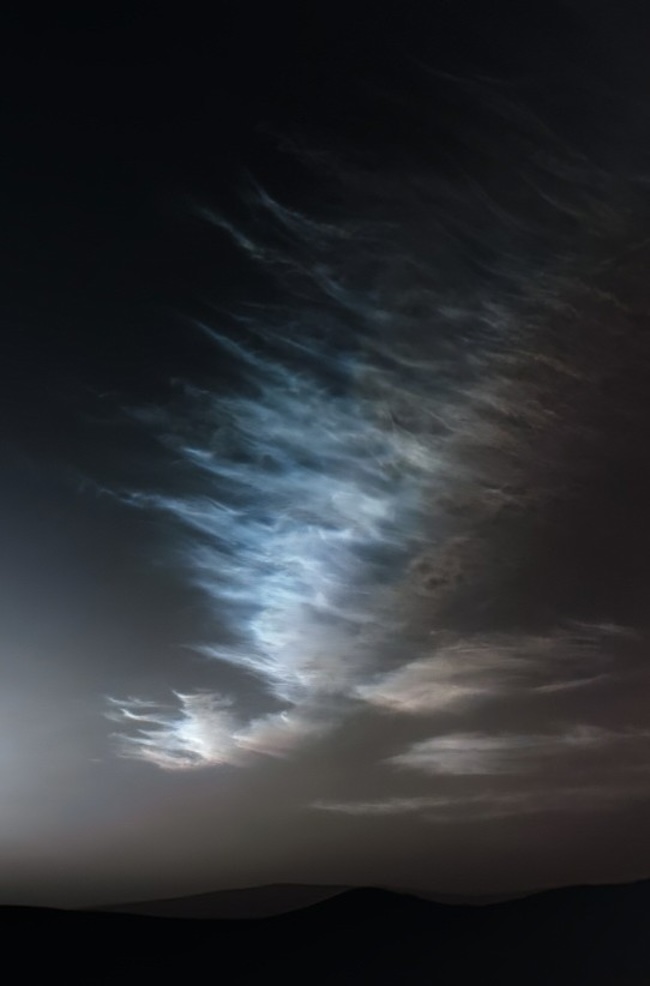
x: 326, y: 414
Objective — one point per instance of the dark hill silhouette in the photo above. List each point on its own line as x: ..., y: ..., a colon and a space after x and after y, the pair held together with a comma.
x: 582, y: 935
x: 248, y: 903
x: 272, y: 899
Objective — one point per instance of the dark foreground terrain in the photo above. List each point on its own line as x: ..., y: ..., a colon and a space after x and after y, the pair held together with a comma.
x: 581, y: 935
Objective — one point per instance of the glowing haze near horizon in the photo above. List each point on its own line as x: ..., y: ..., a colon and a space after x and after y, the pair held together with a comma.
x: 371, y: 570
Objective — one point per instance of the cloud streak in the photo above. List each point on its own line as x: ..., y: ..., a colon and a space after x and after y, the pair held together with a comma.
x: 464, y: 670
x: 491, y: 804
x: 461, y: 754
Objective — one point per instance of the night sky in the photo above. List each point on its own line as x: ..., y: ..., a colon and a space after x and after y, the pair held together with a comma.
x: 326, y: 416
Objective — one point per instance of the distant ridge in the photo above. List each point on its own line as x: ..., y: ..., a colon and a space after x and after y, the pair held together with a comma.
x: 268, y: 900
x: 241, y: 904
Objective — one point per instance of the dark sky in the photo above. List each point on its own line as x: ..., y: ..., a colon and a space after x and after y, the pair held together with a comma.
x: 325, y: 381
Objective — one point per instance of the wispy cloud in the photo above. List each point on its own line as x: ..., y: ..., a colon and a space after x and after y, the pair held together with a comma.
x: 280, y: 733
x: 463, y: 670
x: 358, y: 484
x: 491, y: 804
x: 198, y: 732
x: 387, y: 806
x: 512, y: 753
x: 307, y: 515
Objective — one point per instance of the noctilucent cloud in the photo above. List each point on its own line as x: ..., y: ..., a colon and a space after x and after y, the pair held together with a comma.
x: 325, y: 505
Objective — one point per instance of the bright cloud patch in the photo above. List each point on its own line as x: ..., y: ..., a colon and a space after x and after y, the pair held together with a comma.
x: 311, y: 510
x: 281, y: 733
x: 203, y: 732
x: 198, y: 733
